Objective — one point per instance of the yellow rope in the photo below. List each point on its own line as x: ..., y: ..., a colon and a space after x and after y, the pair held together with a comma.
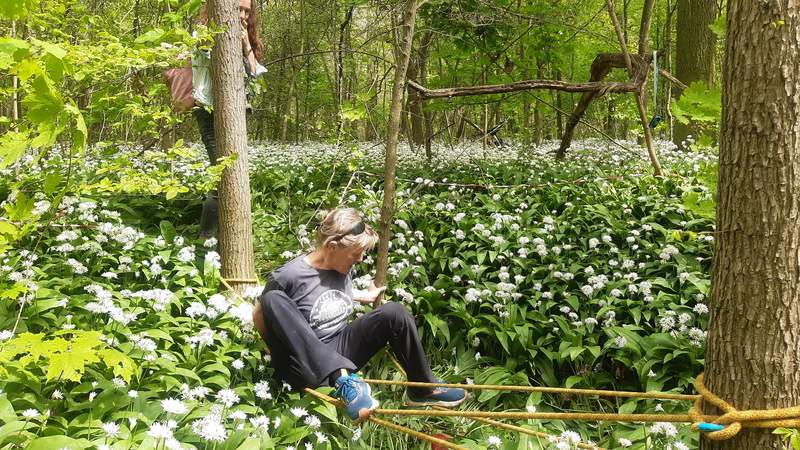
x: 494, y: 422
x: 240, y: 280
x: 734, y: 419
x: 495, y: 387
x: 521, y: 430
x: 586, y: 416
x: 390, y: 425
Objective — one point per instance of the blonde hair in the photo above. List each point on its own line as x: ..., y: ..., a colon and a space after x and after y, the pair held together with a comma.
x: 336, y: 226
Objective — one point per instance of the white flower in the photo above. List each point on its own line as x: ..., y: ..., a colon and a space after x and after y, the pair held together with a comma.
x: 111, y: 429
x: 186, y: 255
x: 237, y: 364
x: 174, y: 406
x: 227, y: 397
x: 494, y: 441
x: 312, y: 421
x: 620, y: 341
x: 298, y: 411
x: 210, y: 428
x: 664, y: 428
x: 238, y: 415
x: 210, y: 242
x: 625, y: 442
x: 133, y: 393
x: 261, y: 390
x: 160, y: 430
x: 219, y: 303
x: 213, y: 259
x: 30, y: 413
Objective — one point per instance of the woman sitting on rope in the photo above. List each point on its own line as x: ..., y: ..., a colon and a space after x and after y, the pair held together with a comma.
x: 303, y: 313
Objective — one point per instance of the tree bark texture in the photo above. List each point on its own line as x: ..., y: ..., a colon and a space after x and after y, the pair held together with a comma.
x: 418, y: 70
x: 694, y: 50
x: 389, y: 184
x: 753, y: 350
x: 235, y: 230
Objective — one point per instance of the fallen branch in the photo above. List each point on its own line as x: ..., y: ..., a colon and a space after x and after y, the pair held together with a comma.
x: 557, y: 85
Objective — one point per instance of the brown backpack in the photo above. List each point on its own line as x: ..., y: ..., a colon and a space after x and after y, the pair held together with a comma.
x: 179, y: 82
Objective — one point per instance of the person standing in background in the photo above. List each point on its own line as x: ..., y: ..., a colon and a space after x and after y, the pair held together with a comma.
x: 252, y: 54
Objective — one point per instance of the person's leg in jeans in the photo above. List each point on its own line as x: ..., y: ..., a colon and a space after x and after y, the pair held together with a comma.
x: 299, y: 357
x: 302, y: 360
x: 389, y: 324
x: 209, y: 218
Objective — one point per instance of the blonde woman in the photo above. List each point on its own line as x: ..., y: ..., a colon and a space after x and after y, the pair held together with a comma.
x: 303, y: 314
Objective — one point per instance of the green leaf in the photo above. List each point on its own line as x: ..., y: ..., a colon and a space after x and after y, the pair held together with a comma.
x: 51, y: 182
x: 719, y: 26
x: 167, y: 230
x: 21, y: 209
x: 13, y: 428
x: 58, y: 442
x: 50, y: 48
x: 12, y: 147
x: 628, y: 407
x: 121, y: 364
x: 27, y: 69
x: 12, y: 50
x: 153, y: 35
x: 572, y: 381
x: 15, y: 9
x: 79, y: 137
x: 7, y: 413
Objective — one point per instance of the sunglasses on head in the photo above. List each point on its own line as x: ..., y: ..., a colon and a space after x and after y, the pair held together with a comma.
x: 355, y: 231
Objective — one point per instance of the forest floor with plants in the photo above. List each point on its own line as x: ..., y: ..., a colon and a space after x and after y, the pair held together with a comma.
x: 520, y: 269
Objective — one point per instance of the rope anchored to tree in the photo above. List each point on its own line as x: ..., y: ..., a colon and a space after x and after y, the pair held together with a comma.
x: 729, y: 424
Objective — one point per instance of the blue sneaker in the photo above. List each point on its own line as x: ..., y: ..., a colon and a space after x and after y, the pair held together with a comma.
x: 439, y: 396
x: 356, y: 395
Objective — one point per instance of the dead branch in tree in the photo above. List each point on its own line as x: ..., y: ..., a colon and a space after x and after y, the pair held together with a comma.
x: 672, y: 79
x: 599, y: 88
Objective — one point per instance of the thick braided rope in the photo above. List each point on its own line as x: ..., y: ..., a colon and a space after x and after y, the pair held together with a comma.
x: 733, y: 419
x: 551, y: 390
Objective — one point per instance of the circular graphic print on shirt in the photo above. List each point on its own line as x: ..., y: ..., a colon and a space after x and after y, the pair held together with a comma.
x: 330, y: 311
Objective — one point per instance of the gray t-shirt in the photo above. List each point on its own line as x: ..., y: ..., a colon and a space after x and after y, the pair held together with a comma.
x: 324, y: 297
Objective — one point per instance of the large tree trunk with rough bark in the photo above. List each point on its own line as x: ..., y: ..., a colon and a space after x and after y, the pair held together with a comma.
x: 402, y: 55
x: 753, y: 351
x: 694, y: 49
x: 235, y: 230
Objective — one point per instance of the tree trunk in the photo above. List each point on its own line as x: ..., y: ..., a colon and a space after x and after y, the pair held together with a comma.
x: 538, y: 114
x: 418, y: 71
x: 235, y: 230
x: 560, y: 106
x: 667, y: 65
x: 610, y: 123
x: 694, y: 50
x: 753, y: 351
x: 340, y: 89
x: 389, y: 184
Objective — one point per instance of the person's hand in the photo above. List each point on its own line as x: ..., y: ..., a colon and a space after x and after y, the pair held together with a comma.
x: 245, y: 38
x: 371, y: 294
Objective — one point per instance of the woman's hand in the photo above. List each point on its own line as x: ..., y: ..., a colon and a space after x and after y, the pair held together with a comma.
x: 246, y: 48
x: 370, y: 295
